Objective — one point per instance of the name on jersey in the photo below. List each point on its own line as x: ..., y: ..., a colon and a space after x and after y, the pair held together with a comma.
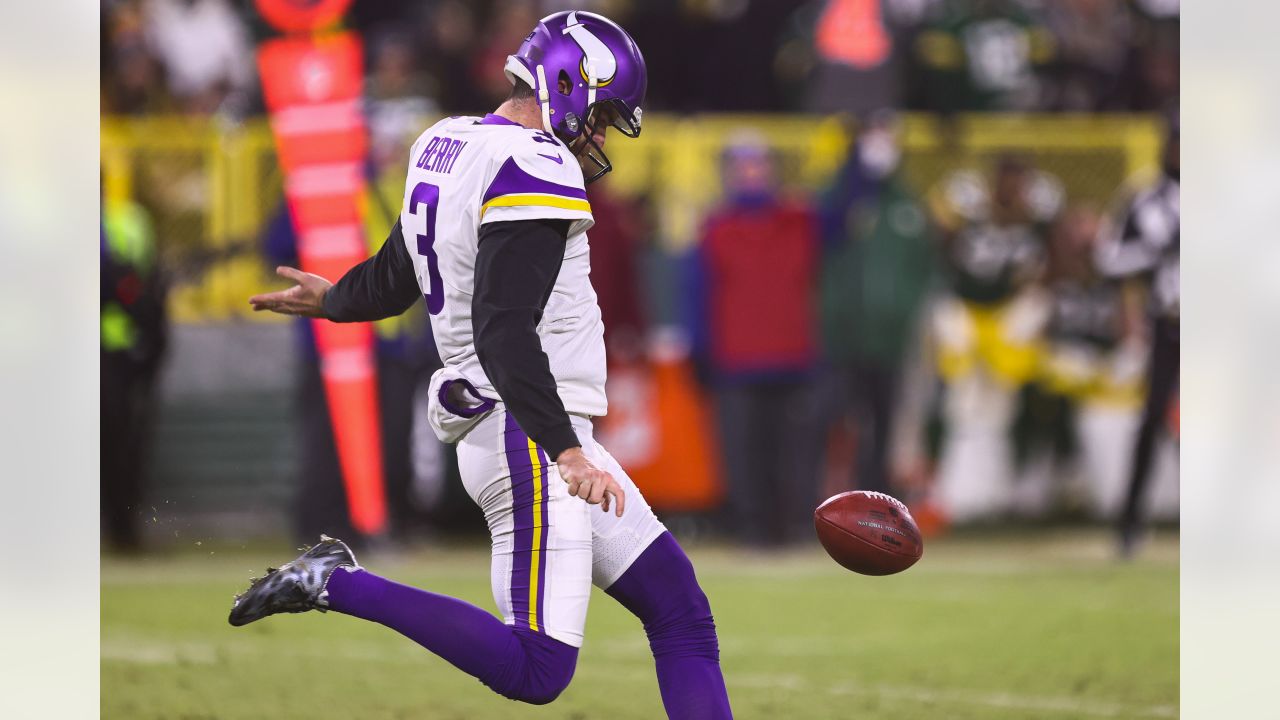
x: 440, y: 154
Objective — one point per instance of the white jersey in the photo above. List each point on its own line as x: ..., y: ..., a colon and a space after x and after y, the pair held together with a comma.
x: 467, y: 171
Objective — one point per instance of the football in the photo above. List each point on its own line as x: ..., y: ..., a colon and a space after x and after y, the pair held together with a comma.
x: 868, y: 532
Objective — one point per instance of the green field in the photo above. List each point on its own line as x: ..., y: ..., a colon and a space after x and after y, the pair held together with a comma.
x: 991, y: 627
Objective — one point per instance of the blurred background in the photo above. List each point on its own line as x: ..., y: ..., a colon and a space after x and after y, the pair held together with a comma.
x: 925, y: 247
x: 876, y: 244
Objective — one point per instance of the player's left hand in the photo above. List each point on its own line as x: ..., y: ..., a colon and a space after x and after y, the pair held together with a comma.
x: 589, y: 482
x: 304, y: 299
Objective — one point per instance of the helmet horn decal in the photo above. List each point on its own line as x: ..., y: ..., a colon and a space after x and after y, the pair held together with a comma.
x: 593, y: 49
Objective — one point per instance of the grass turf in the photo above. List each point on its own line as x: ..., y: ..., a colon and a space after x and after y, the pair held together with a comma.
x: 1040, y: 625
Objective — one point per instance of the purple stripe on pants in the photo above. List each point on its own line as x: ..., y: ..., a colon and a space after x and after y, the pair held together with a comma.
x: 517, y: 449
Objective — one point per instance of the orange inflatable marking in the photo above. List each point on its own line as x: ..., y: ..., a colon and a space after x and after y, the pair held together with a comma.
x: 302, y: 15
x: 312, y: 87
x: 660, y: 430
x: 853, y: 32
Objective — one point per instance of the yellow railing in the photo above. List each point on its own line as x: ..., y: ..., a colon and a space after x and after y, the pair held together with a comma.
x: 212, y: 186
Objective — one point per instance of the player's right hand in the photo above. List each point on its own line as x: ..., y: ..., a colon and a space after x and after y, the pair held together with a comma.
x: 590, y: 482
x: 304, y: 299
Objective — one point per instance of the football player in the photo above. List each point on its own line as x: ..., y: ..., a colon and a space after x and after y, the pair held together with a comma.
x: 994, y: 234
x: 492, y: 236
x: 1091, y: 358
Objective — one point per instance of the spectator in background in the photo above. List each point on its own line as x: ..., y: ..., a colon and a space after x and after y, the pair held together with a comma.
x: 617, y: 241
x: 707, y: 44
x: 1092, y: 38
x: 398, y: 104
x: 877, y: 265
x: 449, y: 29
x: 977, y: 55
x: 509, y: 23
x: 1143, y: 247
x: 860, y: 49
x: 753, y: 332
x: 1154, y: 72
x: 132, y: 79
x: 134, y: 337
x: 205, y: 48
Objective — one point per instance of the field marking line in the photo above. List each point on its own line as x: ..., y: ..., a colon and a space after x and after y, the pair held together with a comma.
x: 145, y: 652
x: 1000, y: 700
x: 161, y: 652
x: 151, y: 653
x: 1012, y: 701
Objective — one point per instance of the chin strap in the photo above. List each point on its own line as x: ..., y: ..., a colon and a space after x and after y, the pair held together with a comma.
x: 592, y: 81
x: 544, y: 100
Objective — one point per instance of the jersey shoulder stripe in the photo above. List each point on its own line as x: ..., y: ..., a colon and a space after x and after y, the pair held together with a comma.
x: 546, y: 201
x: 513, y: 187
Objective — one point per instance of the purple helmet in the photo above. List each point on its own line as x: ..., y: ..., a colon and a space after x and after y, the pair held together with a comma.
x: 600, y: 66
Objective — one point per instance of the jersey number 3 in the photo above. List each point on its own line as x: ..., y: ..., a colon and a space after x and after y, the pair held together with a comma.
x: 428, y: 196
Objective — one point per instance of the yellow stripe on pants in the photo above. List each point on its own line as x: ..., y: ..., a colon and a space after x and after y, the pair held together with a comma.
x: 535, y: 556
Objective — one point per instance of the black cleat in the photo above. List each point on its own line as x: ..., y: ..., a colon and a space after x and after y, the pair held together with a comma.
x: 296, y: 587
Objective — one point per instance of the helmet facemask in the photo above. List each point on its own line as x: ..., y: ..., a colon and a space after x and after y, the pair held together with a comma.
x: 600, y: 117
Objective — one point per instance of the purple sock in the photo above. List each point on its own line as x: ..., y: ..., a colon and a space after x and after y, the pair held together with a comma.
x: 516, y: 663
x: 660, y: 588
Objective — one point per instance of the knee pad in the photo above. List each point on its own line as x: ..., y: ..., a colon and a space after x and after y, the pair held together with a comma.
x: 537, y: 670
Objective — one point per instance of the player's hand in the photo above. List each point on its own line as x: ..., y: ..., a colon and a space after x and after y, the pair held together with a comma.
x: 304, y: 299
x: 590, y: 482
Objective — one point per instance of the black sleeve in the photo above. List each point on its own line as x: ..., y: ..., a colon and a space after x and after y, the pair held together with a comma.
x: 380, y: 287
x: 516, y: 269
x: 1126, y: 253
